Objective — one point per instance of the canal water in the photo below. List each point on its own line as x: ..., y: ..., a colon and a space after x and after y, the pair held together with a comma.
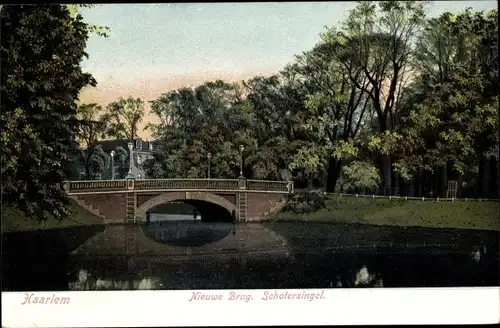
x: 191, y: 254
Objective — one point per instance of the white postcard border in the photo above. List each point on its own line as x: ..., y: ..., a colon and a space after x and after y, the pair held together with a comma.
x: 363, y: 306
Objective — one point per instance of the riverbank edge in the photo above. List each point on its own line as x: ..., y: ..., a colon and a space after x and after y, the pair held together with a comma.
x: 14, y: 220
x: 360, y: 224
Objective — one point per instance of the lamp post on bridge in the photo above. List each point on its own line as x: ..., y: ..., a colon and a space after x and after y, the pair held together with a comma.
x: 241, y: 160
x: 209, y: 156
x: 130, y: 175
x: 112, y: 164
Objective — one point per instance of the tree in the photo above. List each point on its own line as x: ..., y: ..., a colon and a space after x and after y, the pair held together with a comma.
x: 311, y: 160
x: 75, y: 10
x: 452, y: 115
x: 359, y: 176
x: 278, y: 116
x: 40, y: 81
x: 122, y: 156
x: 123, y: 118
x: 91, y: 129
x: 211, y: 118
x: 380, y: 45
x: 337, y: 107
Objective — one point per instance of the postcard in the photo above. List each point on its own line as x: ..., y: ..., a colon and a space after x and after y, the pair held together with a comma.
x: 200, y: 164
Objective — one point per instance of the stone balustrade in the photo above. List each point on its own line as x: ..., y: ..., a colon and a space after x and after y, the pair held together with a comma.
x: 179, y: 184
x: 264, y: 185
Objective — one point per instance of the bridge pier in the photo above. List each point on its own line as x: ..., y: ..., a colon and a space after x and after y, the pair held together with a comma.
x: 131, y: 204
x: 242, y: 200
x: 130, y: 201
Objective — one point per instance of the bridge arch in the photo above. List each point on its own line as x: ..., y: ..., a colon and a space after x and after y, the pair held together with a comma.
x: 166, y: 197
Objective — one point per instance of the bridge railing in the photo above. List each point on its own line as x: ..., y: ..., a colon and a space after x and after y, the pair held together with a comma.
x: 263, y: 185
x: 214, y: 184
x: 96, y: 184
x: 204, y: 184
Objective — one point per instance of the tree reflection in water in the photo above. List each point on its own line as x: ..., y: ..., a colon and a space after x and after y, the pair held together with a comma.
x: 87, y: 281
x: 215, y: 274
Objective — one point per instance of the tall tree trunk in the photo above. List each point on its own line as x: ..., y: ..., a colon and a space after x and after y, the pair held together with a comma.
x: 87, y: 171
x: 433, y: 181
x: 486, y: 178
x: 480, y: 178
x: 420, y: 183
x: 394, y: 182
x: 442, y: 181
x: 452, y: 175
x: 425, y: 183
x: 386, y: 174
x: 405, y: 186
x: 410, y: 191
x: 498, y: 178
x: 437, y: 182
x: 334, y: 167
x: 402, y: 186
x: 460, y: 180
x: 493, y: 178
x: 413, y: 187
x: 432, y: 184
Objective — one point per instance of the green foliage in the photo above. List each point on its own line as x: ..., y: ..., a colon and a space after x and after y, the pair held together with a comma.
x: 306, y: 202
x: 359, y: 177
x: 337, y: 107
x: 40, y: 82
x: 386, y: 143
x: 452, y: 115
x: 92, y: 127
x: 345, y: 149
x: 311, y: 158
x: 75, y: 10
x: 216, y: 118
x: 123, y: 117
x: 123, y: 159
x: 380, y: 47
x: 99, y: 160
x: 266, y: 162
x: 195, y: 122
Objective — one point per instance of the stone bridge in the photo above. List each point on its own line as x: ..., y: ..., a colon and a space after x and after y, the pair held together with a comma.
x: 130, y: 201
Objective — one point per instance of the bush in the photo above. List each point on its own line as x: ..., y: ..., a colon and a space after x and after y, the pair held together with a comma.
x: 307, y: 202
x: 359, y: 177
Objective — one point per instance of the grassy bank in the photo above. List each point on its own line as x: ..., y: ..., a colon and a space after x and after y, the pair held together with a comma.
x: 14, y: 220
x: 407, y: 213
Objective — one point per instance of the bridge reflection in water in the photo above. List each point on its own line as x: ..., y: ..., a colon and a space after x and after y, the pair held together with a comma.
x: 175, y: 255
x: 183, y: 238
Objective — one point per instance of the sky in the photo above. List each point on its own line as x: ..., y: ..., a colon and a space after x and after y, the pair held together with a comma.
x: 154, y: 48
